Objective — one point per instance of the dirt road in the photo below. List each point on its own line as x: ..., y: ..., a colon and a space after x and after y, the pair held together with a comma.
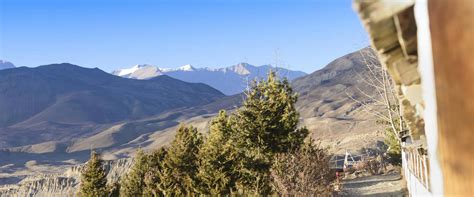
x: 377, y: 185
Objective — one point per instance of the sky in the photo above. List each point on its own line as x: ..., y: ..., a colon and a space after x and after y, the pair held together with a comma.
x: 111, y: 34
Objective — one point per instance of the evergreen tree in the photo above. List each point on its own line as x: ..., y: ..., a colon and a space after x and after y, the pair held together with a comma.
x: 393, y: 130
x: 133, y: 183
x: 238, y: 153
x: 394, y: 148
x: 265, y: 125
x: 154, y: 186
x: 114, y: 189
x: 216, y: 170
x: 180, y: 165
x: 93, y: 178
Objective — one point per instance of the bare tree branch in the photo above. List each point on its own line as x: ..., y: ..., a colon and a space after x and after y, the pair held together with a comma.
x: 382, y: 94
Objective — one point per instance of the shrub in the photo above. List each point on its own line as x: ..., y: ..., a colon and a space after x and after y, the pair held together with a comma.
x: 303, y: 172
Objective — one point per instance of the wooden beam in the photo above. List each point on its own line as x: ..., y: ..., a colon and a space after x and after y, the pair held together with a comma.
x: 379, y: 10
x: 452, y: 36
x: 406, y: 31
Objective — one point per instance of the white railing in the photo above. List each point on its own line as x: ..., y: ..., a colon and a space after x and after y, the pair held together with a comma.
x: 418, y: 165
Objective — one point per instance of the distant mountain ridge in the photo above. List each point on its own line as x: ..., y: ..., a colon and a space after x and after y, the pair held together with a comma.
x: 46, y: 145
x: 66, y: 95
x: 5, y: 65
x: 229, y: 80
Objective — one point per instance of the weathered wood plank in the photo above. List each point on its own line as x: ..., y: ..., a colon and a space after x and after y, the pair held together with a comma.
x: 452, y: 35
x: 379, y: 10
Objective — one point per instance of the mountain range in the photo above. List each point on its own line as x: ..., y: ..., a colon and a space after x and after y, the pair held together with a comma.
x: 68, y: 96
x: 52, y: 116
x: 229, y: 80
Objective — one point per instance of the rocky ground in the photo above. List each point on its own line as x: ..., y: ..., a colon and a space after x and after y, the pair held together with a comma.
x: 377, y: 185
x: 57, y: 184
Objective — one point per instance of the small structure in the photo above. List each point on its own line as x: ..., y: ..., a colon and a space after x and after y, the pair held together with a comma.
x: 342, y: 163
x: 349, y: 160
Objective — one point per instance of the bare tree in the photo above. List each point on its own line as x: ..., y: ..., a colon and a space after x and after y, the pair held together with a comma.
x: 382, y: 94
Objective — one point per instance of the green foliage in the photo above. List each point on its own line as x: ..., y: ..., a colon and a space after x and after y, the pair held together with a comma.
x: 394, y: 147
x: 268, y: 118
x: 154, y: 186
x: 134, y: 183
x: 180, y: 165
x: 114, y: 189
x: 216, y: 171
x: 265, y: 125
x: 165, y: 172
x: 237, y: 155
x: 392, y: 134
x: 303, y: 172
x: 93, y: 178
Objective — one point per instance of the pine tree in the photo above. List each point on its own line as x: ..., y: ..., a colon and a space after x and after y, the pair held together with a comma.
x: 239, y: 151
x: 180, y: 165
x: 216, y: 170
x: 93, y: 178
x: 133, y: 183
x: 114, y: 189
x: 154, y: 186
x: 265, y: 125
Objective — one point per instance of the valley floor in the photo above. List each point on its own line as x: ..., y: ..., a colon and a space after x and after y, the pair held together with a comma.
x: 377, y: 185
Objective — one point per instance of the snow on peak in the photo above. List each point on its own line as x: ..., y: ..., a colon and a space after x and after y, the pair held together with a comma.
x: 140, y: 68
x: 128, y: 71
x: 186, y: 67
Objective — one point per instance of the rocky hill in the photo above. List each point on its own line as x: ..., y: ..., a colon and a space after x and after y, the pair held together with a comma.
x: 62, y: 184
x: 324, y: 105
x: 327, y: 109
x: 56, y: 99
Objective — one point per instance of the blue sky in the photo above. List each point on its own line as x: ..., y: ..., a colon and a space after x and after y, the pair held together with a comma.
x: 112, y: 34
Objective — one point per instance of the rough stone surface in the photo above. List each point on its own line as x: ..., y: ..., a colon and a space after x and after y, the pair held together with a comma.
x: 64, y: 184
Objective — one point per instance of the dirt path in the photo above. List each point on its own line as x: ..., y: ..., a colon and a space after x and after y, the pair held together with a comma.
x: 378, y: 185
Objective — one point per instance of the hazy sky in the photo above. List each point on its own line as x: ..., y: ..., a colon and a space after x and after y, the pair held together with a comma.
x: 112, y: 34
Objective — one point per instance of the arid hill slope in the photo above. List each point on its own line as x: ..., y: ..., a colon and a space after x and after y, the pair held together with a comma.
x: 324, y: 105
x: 64, y: 101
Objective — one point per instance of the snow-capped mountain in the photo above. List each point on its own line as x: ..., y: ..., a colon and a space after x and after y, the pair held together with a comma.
x: 5, y: 65
x: 229, y: 80
x: 144, y: 71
